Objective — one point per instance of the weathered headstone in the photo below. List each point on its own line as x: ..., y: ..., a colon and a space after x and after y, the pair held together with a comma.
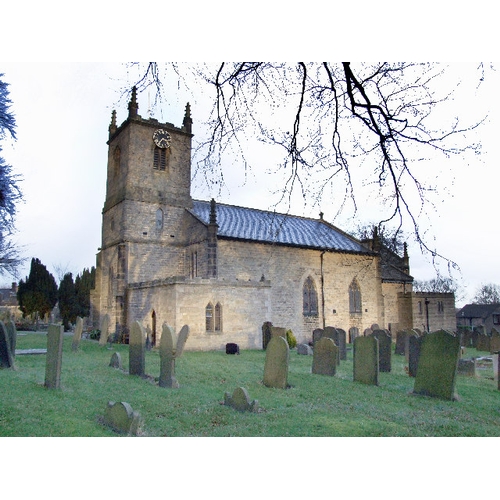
x: 467, y: 367
x: 171, y: 348
x: 6, y: 355
x: 116, y: 360
x: 325, y: 357
x: 12, y: 334
x: 317, y: 334
x: 240, y: 400
x: 384, y: 349
x: 276, y: 363
x: 331, y: 333
x: 341, y: 343
x: 401, y: 337
x: 304, y: 349
x: 375, y: 327
x: 55, y: 336
x: 103, y: 339
x: 366, y: 360
x: 367, y: 331
x: 137, y: 350
x: 77, y: 335
x: 483, y: 342
x: 437, y: 365
x: 353, y: 333
x: 414, y: 343
x: 266, y: 334
x: 494, y: 341
x: 277, y: 331
x: 122, y: 418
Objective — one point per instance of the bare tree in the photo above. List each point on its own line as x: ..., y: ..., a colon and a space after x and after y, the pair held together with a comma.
x: 336, y: 124
x: 487, y: 294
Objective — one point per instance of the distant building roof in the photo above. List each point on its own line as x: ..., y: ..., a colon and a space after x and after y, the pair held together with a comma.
x: 250, y: 224
x: 478, y: 310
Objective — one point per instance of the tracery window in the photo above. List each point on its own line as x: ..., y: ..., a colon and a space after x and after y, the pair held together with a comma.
x: 218, y: 318
x: 354, y: 297
x: 209, y: 318
x: 309, y: 298
x: 159, y: 219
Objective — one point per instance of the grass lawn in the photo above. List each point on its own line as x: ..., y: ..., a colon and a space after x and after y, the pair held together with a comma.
x: 313, y: 406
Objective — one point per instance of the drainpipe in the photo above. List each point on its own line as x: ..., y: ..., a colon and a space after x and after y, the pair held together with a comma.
x: 427, y: 313
x: 322, y: 290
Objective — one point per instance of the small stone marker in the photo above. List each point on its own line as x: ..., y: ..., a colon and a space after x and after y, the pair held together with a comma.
x: 6, y: 355
x: 12, y: 334
x: 240, y: 400
x: 437, y: 365
x: 325, y: 357
x: 366, y: 360
x: 103, y: 339
x: 304, y: 349
x: 232, y: 348
x: 122, y: 418
x: 467, y: 367
x: 137, y: 350
x: 276, y: 364
x: 171, y: 348
x: 77, y: 335
x: 116, y: 360
x: 55, y: 336
x: 384, y: 349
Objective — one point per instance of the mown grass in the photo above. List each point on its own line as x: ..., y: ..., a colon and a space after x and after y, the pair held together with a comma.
x: 314, y: 405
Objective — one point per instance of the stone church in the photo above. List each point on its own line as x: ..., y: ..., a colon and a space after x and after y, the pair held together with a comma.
x: 225, y: 270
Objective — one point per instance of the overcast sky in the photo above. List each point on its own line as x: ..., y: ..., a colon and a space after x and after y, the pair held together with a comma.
x: 63, y: 111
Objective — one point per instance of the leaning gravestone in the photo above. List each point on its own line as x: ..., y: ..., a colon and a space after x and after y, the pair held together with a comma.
x: 437, y: 365
x: 317, y: 334
x: 12, y: 334
x: 77, y: 335
x: 494, y: 341
x: 384, y: 349
x: 366, y: 360
x: 325, y: 357
x: 6, y: 354
x: 116, y: 360
x: 103, y: 339
x: 122, y: 418
x: 137, y: 350
x: 414, y: 343
x: 240, y: 400
x: 276, y: 363
x: 171, y: 348
x: 53, y: 364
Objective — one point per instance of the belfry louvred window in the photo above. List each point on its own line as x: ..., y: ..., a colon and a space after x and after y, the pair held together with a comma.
x: 160, y: 159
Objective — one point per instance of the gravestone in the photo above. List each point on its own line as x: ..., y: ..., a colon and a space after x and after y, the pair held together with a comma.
x: 277, y: 331
x: 6, y: 355
x: 367, y: 331
x: 317, y: 334
x: 276, y: 363
x: 232, y: 348
x: 137, y: 350
x: 483, y: 342
x: 384, y: 349
x: 103, y: 339
x: 331, y: 333
x: 122, y: 418
x: 77, y: 335
x: 375, y: 327
x: 12, y: 334
x: 325, y: 357
x: 240, y: 400
x: 55, y: 336
x: 467, y: 367
x: 494, y: 341
x: 116, y: 360
x: 414, y: 344
x: 304, y: 349
x: 401, y: 337
x: 266, y: 334
x: 437, y: 365
x: 171, y: 348
x: 341, y: 343
x: 365, y: 354
x: 353, y: 333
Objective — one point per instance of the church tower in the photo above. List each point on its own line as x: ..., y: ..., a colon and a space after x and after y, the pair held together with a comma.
x: 147, y: 191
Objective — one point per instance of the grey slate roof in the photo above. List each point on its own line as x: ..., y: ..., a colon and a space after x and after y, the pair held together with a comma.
x: 250, y: 224
x: 478, y: 310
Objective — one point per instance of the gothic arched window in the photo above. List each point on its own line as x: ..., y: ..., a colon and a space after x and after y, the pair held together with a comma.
x: 159, y: 219
x: 209, y: 318
x: 354, y: 297
x: 218, y: 318
x: 309, y: 298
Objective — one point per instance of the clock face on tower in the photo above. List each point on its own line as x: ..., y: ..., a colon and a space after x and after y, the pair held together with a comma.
x: 162, y: 138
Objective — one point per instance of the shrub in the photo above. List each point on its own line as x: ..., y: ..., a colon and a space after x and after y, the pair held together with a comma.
x: 290, y: 338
